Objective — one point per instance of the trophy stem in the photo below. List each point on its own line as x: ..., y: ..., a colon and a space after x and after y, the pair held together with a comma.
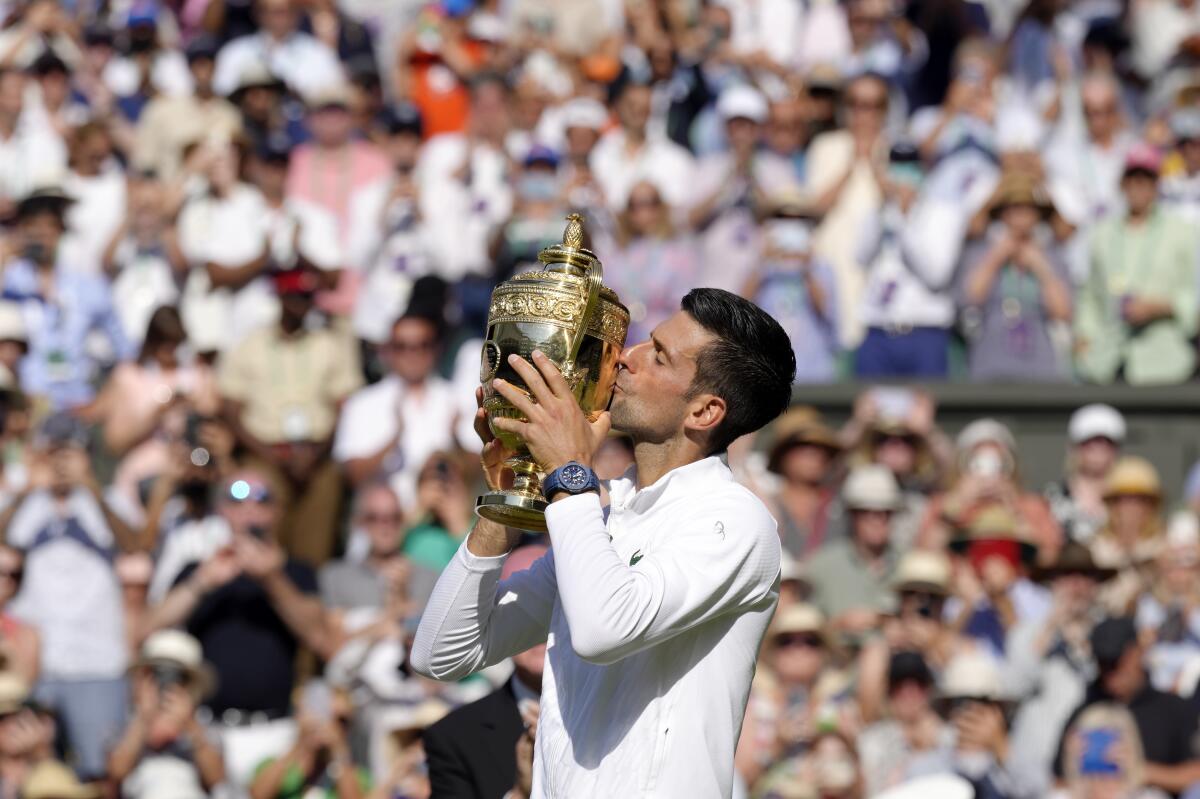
x: 521, y: 506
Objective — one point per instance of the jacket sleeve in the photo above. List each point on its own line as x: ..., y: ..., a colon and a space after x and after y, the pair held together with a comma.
x: 449, y: 774
x: 473, y: 620
x: 718, y: 558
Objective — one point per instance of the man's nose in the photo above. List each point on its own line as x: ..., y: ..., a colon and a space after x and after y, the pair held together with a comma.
x: 629, y: 354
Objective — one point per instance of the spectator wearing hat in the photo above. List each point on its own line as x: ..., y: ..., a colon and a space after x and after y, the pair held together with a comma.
x: 282, y: 390
x: 852, y: 577
x: 329, y: 171
x: 1048, y: 660
x: 973, y: 700
x: 390, y: 242
x: 1014, y: 288
x: 268, y: 111
x: 909, y: 255
x: 1180, y: 189
x: 21, y: 647
x: 1137, y: 312
x: 804, y: 500
x: 98, y: 187
x: 583, y: 121
x: 63, y: 306
x: 69, y: 590
x: 27, y: 733
x: 51, y: 779
x: 14, y: 343
x: 1170, y: 608
x: 1095, y: 434
x: 632, y: 154
x: 537, y: 215
x: 843, y: 169
x: 38, y: 28
x: 728, y: 187
x: 987, y: 477
x: 172, y: 122
x: 796, y: 285
x: 1166, y: 723
x: 651, y: 262
x: 223, y: 239
x: 165, y: 750
x: 910, y: 739
x: 1133, y: 536
x: 305, y: 63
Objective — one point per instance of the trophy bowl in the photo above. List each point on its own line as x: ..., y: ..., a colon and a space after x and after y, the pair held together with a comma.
x: 565, y: 311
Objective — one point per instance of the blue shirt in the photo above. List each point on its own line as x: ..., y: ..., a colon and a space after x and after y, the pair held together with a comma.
x: 60, y: 365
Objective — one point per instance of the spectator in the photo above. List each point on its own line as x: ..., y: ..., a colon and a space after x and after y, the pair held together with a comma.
x: 1132, y: 538
x: 134, y: 570
x: 1015, y: 288
x: 96, y: 185
x: 651, y: 261
x: 801, y: 658
x: 797, y: 286
x: 851, y: 577
x: 1137, y: 312
x: 1048, y: 660
x: 26, y: 736
x: 804, y: 502
x: 14, y: 342
x: 320, y: 760
x: 1096, y: 434
x: 165, y: 750
x: 906, y: 743
x: 267, y: 111
x: 391, y: 428
x: 69, y: 591
x: 63, y: 305
x: 171, y: 123
x: 987, y: 477
x: 632, y: 155
x: 1168, y: 610
x: 20, y: 642
x: 283, y: 388
x: 842, y: 175
x: 1181, y: 188
x: 1118, y: 765
x: 302, y: 61
x: 384, y: 571
x: 1165, y: 722
x: 460, y: 749
x: 536, y: 221
x: 32, y: 154
x: 442, y: 514
x: 583, y: 121
x: 145, y: 406
x: 909, y: 255
x: 249, y: 603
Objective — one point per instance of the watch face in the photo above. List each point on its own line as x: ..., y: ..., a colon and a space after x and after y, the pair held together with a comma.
x: 574, y: 476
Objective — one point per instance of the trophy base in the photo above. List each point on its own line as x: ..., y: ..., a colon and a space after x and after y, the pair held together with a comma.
x: 513, y: 510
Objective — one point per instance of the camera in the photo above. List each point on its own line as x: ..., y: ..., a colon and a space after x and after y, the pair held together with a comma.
x: 167, y: 676
x: 199, y: 455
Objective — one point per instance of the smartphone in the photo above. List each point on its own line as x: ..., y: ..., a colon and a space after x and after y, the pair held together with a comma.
x: 1097, y: 752
x: 317, y: 700
x: 894, y: 403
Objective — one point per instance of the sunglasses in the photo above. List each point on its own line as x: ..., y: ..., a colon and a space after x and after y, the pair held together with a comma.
x: 242, y: 491
x: 807, y: 640
x: 926, y: 605
x: 856, y: 104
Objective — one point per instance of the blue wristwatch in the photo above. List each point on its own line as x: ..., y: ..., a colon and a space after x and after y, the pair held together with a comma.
x: 571, y: 478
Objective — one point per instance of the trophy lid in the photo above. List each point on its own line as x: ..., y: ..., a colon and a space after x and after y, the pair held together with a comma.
x: 570, y: 256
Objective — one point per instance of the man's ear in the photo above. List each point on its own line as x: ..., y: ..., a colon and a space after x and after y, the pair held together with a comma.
x: 704, y: 413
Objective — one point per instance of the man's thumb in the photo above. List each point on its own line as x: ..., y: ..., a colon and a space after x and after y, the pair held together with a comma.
x: 601, y: 425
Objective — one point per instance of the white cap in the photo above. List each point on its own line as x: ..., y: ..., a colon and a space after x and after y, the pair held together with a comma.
x: 871, y: 487
x: 12, y: 323
x: 742, y: 102
x: 1018, y: 129
x: 1096, y: 421
x: 982, y: 431
x: 972, y: 675
x: 583, y: 112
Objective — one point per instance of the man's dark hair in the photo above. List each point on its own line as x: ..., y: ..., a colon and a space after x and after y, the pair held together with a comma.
x: 751, y: 365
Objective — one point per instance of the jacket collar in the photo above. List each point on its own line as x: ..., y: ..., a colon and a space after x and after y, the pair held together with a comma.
x: 624, y: 492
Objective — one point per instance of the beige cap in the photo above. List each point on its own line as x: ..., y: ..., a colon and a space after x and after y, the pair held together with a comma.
x: 922, y: 570
x: 871, y: 487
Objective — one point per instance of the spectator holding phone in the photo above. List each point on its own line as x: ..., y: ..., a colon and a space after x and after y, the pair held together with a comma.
x: 1105, y: 757
x: 1133, y: 536
x: 165, y: 750
x: 249, y: 603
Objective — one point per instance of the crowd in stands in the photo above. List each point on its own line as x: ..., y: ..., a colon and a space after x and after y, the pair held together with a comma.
x: 246, y: 254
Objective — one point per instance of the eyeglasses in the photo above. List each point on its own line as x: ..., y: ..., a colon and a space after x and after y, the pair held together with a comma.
x: 806, y: 640
x: 402, y: 346
x: 242, y: 491
x: 382, y: 518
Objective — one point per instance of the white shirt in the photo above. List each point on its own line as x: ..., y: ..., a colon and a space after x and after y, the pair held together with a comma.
x: 648, y: 665
x: 660, y: 161
x: 70, y: 591
x: 372, y: 417
x: 97, y: 213
x: 34, y: 156
x: 301, y: 61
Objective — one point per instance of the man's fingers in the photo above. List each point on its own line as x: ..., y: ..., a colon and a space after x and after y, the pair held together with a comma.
x: 532, y: 377
x: 514, y: 395
x: 601, y: 426
x: 551, y: 374
x: 481, y: 427
x: 515, y: 426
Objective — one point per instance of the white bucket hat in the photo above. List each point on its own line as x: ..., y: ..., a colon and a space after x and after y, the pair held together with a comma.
x: 871, y: 487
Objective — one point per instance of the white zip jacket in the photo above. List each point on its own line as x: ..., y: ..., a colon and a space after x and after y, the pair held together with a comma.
x: 653, y: 611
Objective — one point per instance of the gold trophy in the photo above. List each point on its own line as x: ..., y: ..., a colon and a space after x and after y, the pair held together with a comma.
x: 567, y: 312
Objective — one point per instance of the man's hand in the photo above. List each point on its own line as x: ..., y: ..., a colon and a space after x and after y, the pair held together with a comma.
x: 1137, y: 311
x: 557, y: 430
x: 523, y: 786
x: 981, y: 727
x: 215, y: 572
x: 259, y: 559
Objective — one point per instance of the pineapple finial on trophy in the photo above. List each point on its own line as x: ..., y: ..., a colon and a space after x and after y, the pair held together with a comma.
x: 573, y: 235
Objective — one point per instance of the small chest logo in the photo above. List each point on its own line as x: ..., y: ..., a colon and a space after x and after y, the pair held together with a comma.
x: 635, y: 558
